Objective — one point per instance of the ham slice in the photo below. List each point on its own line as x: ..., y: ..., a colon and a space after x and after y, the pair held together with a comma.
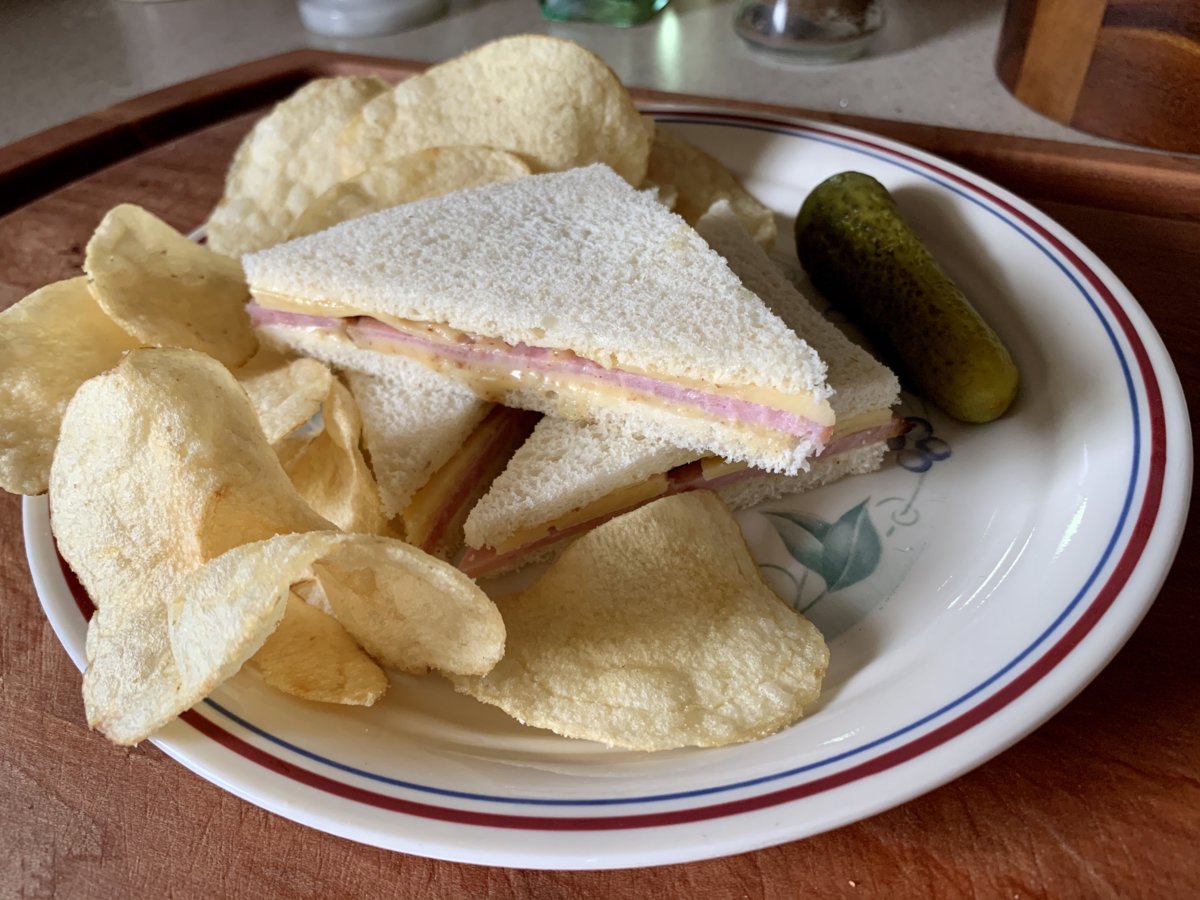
x: 487, y: 452
x: 468, y: 351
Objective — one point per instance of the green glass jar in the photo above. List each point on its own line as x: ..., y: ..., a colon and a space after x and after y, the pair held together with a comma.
x: 622, y: 13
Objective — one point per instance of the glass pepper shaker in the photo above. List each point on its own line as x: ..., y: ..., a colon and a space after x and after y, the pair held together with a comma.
x: 816, y: 31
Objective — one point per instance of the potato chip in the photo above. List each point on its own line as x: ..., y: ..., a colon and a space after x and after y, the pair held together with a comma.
x: 699, y: 181
x: 418, y: 612
x: 179, y: 521
x: 131, y: 681
x: 550, y: 101
x: 410, y: 611
x: 286, y: 393
x: 166, y: 290
x: 161, y: 465
x: 417, y: 176
x: 312, y: 657
x: 287, y: 160
x: 220, y: 614
x: 50, y: 343
x: 150, y: 661
x: 330, y: 472
x: 655, y: 631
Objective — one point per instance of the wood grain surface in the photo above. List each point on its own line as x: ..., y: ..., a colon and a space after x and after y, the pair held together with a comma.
x: 1102, y: 801
x: 1124, y: 69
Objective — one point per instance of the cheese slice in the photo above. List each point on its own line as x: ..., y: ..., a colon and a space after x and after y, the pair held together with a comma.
x: 768, y: 421
x: 458, y: 484
x: 620, y: 500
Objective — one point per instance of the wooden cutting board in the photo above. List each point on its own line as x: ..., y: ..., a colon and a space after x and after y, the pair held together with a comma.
x: 1102, y: 801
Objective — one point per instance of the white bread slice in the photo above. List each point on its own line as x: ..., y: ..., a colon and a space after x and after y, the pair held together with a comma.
x: 414, y: 420
x: 740, y: 495
x: 859, y: 381
x: 566, y: 465
x: 576, y: 261
x: 824, y: 470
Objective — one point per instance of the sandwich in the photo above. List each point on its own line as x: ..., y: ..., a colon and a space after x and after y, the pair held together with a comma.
x: 433, y: 445
x: 571, y: 476
x: 568, y: 293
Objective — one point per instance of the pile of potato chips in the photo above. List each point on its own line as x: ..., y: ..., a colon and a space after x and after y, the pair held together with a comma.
x: 214, y: 499
x: 343, y: 147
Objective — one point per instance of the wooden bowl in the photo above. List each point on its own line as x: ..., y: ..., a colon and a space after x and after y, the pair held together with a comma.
x: 1123, y: 69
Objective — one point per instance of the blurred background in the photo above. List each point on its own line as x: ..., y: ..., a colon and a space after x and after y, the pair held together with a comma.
x: 1127, y: 70
x: 934, y: 61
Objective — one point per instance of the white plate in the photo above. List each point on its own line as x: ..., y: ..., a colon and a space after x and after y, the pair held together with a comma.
x: 1014, y: 560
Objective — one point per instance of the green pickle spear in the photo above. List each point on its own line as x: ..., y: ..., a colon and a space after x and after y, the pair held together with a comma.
x: 863, y: 256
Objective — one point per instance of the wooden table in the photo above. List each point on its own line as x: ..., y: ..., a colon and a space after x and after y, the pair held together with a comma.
x: 1102, y: 801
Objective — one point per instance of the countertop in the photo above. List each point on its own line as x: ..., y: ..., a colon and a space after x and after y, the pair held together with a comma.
x: 933, y: 63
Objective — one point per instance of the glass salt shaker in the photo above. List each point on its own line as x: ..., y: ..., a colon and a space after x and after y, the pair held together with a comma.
x: 364, y: 18
x: 814, y: 31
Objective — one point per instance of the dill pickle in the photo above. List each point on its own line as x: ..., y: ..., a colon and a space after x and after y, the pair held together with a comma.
x: 865, y: 259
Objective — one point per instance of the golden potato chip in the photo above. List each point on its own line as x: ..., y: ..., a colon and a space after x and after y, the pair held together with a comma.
x: 699, y: 181
x: 286, y: 393
x: 287, y: 160
x: 550, y: 101
x: 656, y: 631
x: 166, y: 290
x: 330, y: 472
x: 409, y: 610
x: 312, y: 657
x: 175, y: 514
x: 416, y: 612
x: 417, y: 176
x: 221, y: 613
x: 131, y: 682
x: 148, y: 662
x: 50, y: 343
x: 161, y: 465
